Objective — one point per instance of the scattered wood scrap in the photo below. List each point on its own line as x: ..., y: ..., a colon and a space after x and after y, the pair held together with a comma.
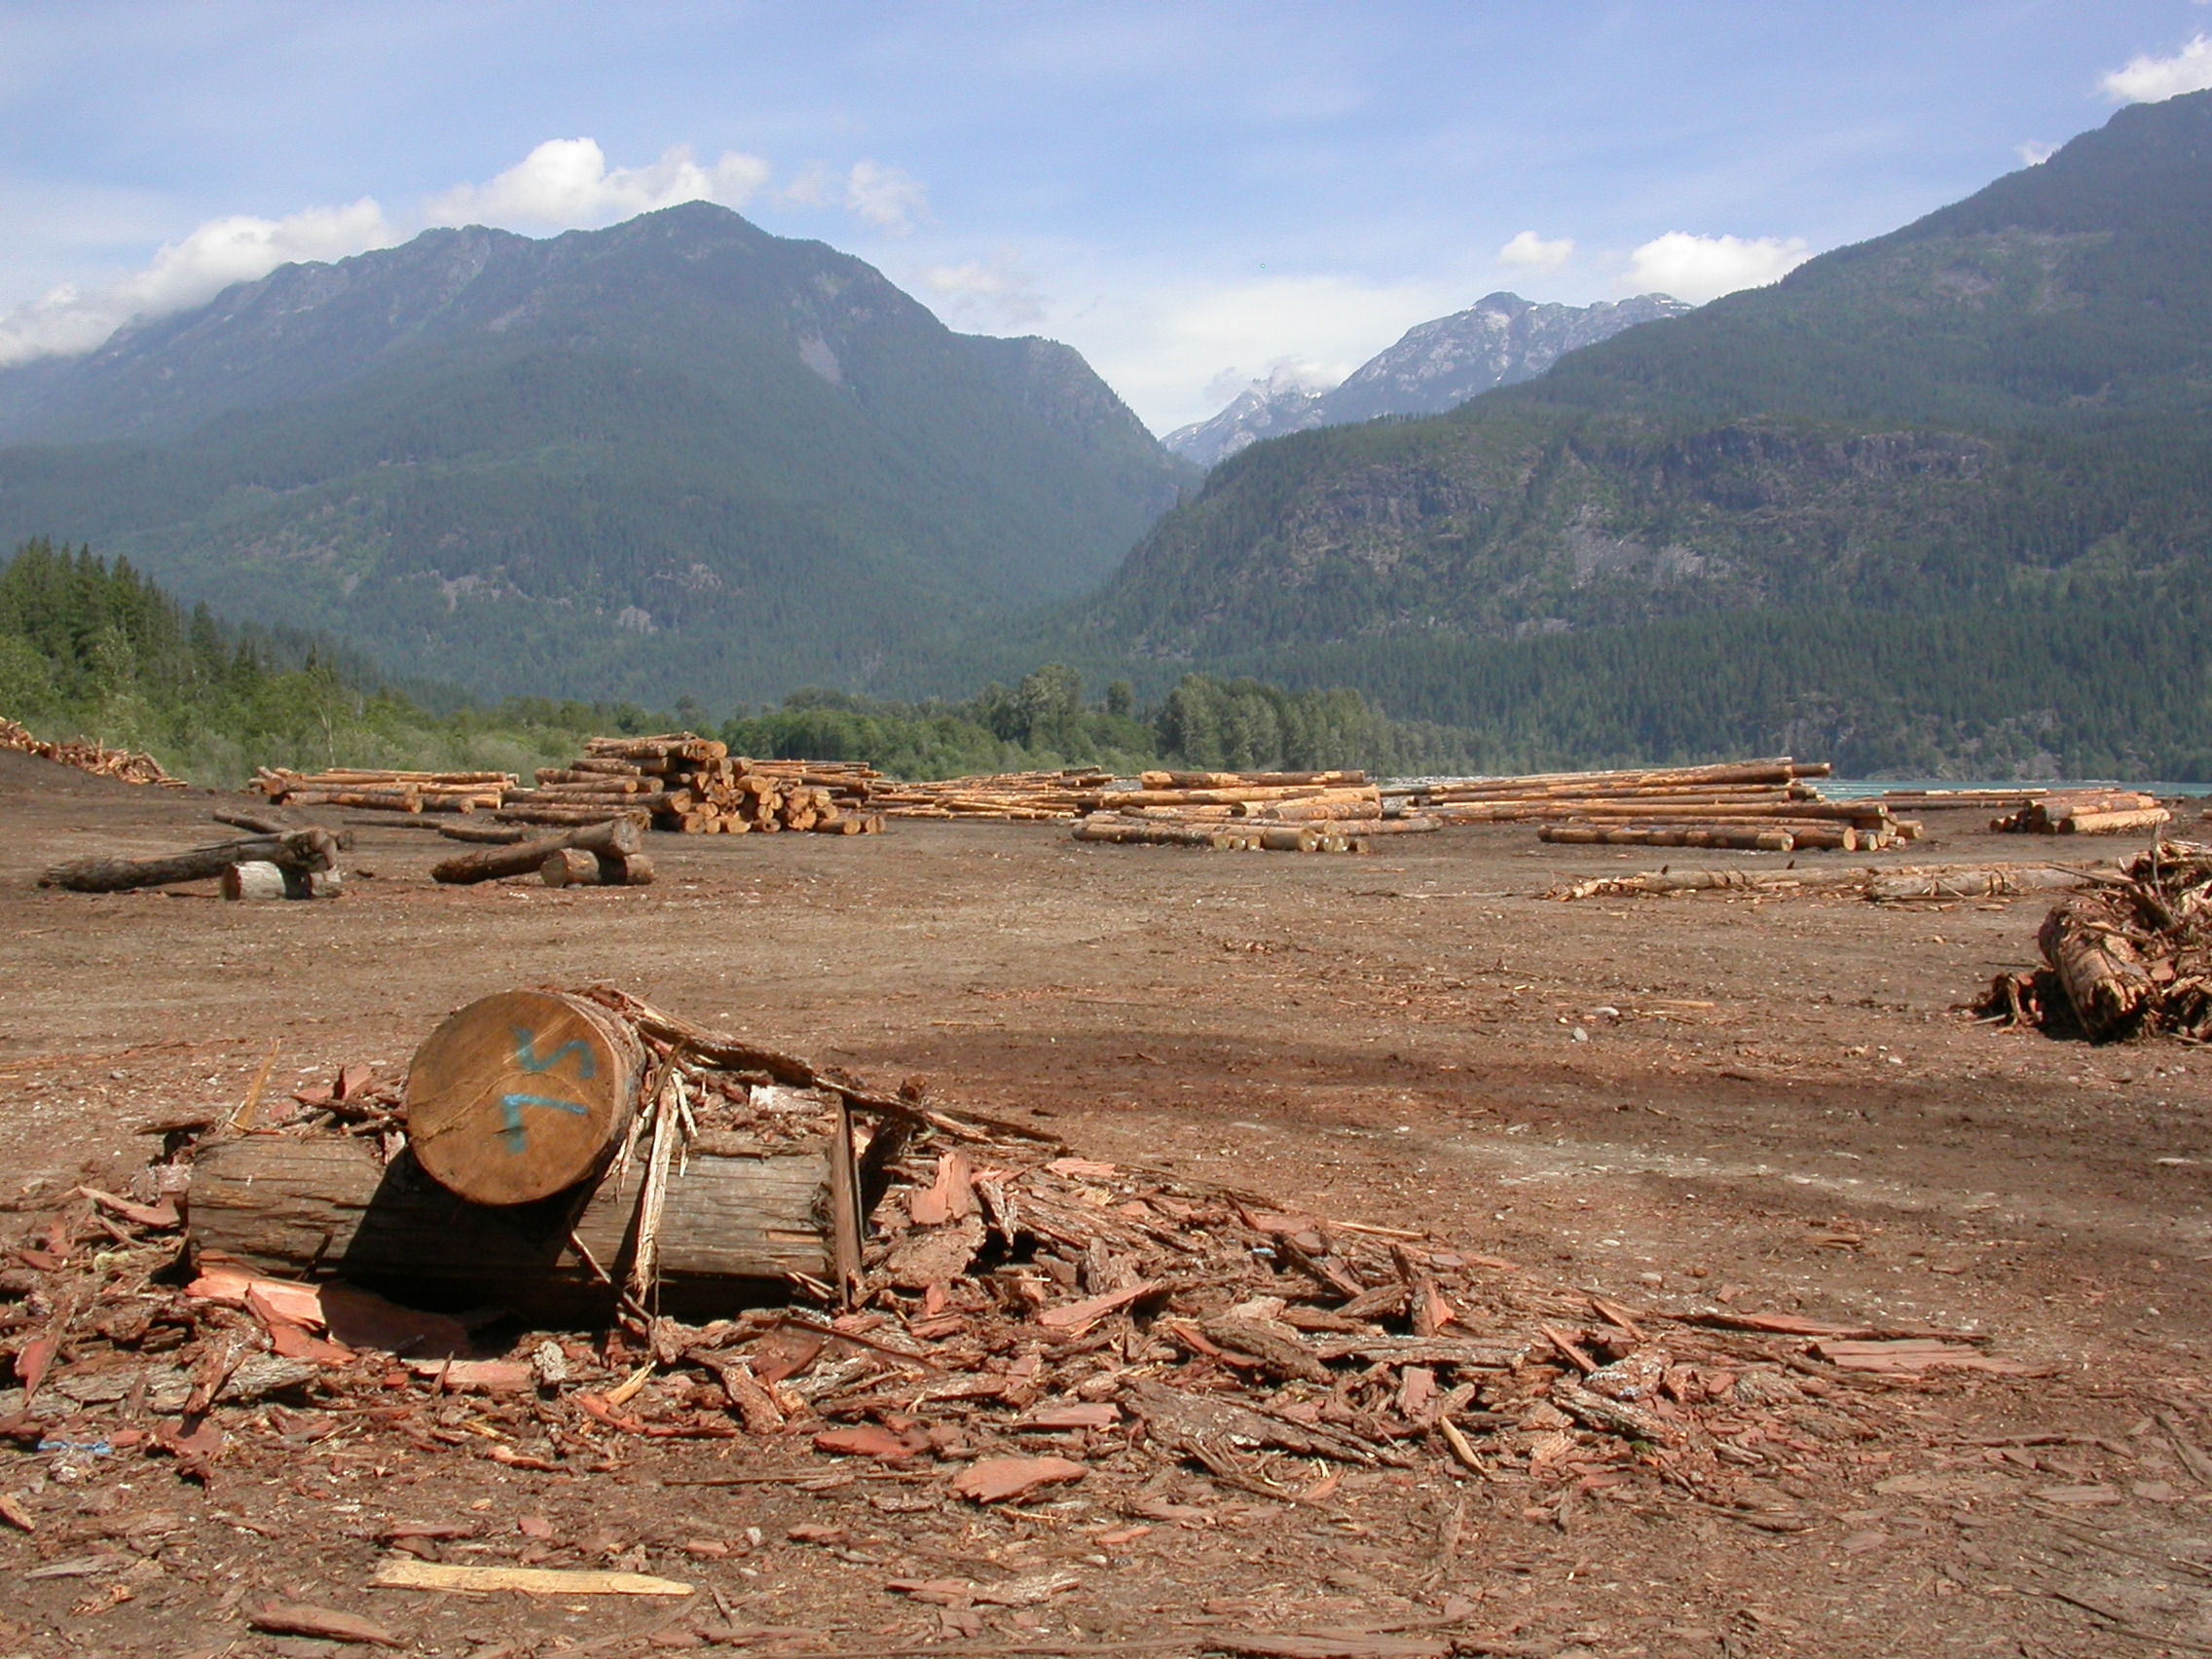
x: 2135, y: 954
x: 85, y: 756
x: 1010, y: 1319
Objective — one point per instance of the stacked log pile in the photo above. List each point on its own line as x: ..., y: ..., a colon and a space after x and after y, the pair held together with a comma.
x: 121, y: 764
x: 382, y: 790
x: 1752, y: 805
x: 2085, y: 812
x: 694, y: 786
x: 1015, y: 1317
x: 1291, y: 812
x: 2134, y: 953
x: 1017, y: 797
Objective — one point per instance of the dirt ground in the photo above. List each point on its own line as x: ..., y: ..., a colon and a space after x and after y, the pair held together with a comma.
x: 1660, y: 1101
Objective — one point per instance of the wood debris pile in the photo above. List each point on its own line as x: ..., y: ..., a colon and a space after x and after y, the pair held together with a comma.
x: 2133, y: 954
x: 1017, y: 797
x: 2085, y: 812
x: 1009, y: 1319
x: 1753, y: 805
x: 87, y: 756
x: 693, y: 785
x: 381, y: 790
x: 1287, y: 812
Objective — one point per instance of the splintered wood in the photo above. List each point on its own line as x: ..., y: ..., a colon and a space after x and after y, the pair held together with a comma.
x: 696, y: 786
x: 1010, y: 1319
x: 2132, y: 954
x: 85, y: 755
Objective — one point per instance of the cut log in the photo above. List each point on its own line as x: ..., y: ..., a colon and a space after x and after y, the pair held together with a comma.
x: 298, y: 849
x: 625, y: 869
x: 2098, y: 966
x: 731, y: 1230
x: 258, y: 879
x: 612, y: 835
x: 521, y: 1096
x: 571, y: 867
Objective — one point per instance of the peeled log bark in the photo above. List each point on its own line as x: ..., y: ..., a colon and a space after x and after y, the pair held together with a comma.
x: 324, y: 1205
x: 300, y: 849
x: 612, y: 835
x: 254, y: 879
x: 2099, y: 968
x: 521, y: 1096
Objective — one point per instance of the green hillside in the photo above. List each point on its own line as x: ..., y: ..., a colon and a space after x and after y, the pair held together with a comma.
x: 677, y: 455
x: 1994, y: 416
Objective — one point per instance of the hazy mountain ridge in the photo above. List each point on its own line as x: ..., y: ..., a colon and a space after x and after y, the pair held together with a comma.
x: 1500, y: 340
x: 514, y: 463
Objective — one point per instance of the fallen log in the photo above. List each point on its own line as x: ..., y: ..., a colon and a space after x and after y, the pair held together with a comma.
x: 617, y: 837
x: 296, y: 849
x: 1744, y: 840
x: 326, y: 1206
x: 522, y: 1094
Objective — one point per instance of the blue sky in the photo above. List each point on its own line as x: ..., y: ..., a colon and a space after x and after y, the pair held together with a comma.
x: 1190, y: 194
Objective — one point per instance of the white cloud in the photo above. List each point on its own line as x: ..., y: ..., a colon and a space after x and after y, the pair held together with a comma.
x: 1698, y: 269
x: 1532, y: 251
x: 2152, y: 80
x: 885, y: 197
x: 1285, y: 373
x: 567, y: 183
x: 2035, y: 154
x: 563, y: 184
x: 997, y: 292
x: 189, y: 273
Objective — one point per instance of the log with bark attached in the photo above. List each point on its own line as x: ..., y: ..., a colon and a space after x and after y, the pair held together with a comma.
x: 1744, y: 839
x: 613, y: 836
x: 2086, y: 940
x: 522, y: 1094
x: 297, y: 849
x: 571, y: 867
x: 325, y: 1205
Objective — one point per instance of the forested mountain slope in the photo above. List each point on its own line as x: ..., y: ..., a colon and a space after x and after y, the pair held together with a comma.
x: 680, y: 455
x: 1998, y: 408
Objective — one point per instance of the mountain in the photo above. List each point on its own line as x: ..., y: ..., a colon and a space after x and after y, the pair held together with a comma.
x: 1984, y: 433
x: 680, y: 455
x: 1500, y: 340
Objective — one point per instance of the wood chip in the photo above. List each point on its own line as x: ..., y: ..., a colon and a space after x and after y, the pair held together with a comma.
x: 995, y: 1480
x: 298, y: 1618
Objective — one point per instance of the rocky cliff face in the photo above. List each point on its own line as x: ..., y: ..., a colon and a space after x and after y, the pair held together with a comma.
x: 1499, y: 339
